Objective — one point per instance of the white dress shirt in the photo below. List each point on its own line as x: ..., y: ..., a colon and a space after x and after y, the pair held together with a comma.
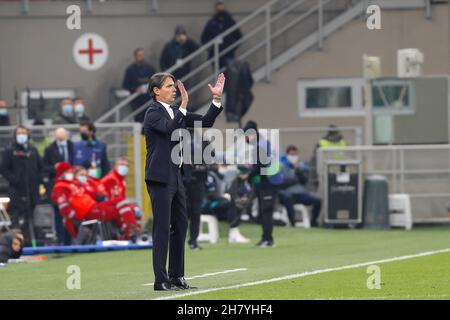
x: 183, y: 111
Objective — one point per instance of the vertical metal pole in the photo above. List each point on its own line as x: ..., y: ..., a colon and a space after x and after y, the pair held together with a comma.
x: 216, y: 57
x: 153, y: 6
x: 89, y: 6
x: 369, y: 115
x: 394, y: 171
x: 402, y: 171
x: 268, y: 45
x: 320, y: 31
x: 428, y: 9
x: 137, y: 164
x: 25, y: 7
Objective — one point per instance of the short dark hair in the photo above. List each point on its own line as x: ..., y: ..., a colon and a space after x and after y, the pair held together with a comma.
x: 89, y: 125
x: 137, y: 50
x: 157, y: 81
x: 291, y: 147
x: 21, y: 127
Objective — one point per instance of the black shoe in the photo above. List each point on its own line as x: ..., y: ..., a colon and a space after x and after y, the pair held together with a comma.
x: 265, y: 244
x: 194, y: 246
x: 165, y: 286
x: 181, y: 283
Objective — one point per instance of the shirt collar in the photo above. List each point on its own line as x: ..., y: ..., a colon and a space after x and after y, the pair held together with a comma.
x: 165, y: 105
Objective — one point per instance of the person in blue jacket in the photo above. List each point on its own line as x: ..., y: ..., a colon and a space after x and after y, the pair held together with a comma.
x: 293, y: 190
x: 91, y: 153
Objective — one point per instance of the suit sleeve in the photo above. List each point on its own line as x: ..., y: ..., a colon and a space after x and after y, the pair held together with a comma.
x: 154, y: 120
x: 207, y: 120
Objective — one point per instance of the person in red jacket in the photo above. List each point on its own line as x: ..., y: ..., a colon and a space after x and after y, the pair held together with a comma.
x: 114, y: 182
x: 92, y: 199
x: 62, y: 193
x: 114, y: 185
x: 91, y: 185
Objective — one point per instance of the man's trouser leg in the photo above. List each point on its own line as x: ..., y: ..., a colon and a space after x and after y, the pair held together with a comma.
x: 178, y: 230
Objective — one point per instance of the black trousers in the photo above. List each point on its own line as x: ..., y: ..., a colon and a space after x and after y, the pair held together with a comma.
x: 169, y: 226
x: 195, y: 193
x: 267, y: 194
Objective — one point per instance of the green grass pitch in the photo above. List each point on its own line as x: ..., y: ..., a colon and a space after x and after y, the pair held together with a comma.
x: 122, y: 275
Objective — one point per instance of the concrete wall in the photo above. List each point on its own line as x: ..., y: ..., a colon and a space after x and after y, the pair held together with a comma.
x: 36, y: 50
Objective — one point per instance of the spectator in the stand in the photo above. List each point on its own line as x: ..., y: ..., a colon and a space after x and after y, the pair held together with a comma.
x: 79, y: 109
x: 332, y: 139
x: 4, y: 114
x: 39, y: 137
x: 61, y: 150
x: 66, y: 114
x: 295, y: 178
x: 11, y: 245
x: 22, y: 168
x: 219, y: 23
x: 136, y: 77
x: 91, y: 153
x: 177, y: 49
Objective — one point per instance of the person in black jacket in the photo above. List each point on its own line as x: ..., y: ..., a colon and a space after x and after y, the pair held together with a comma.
x: 178, y: 48
x: 219, y: 23
x: 266, y: 186
x: 60, y: 150
x: 136, y: 76
x: 22, y: 167
x: 11, y: 245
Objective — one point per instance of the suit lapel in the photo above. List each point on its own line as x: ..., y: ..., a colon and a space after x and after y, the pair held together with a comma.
x: 163, y: 110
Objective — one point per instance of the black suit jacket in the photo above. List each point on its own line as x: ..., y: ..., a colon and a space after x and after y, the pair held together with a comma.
x: 158, y: 128
x: 52, y: 157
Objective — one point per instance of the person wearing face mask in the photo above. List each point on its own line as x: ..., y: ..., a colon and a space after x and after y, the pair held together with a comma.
x: 114, y: 184
x: 66, y: 114
x: 91, y: 185
x: 266, y: 177
x: 61, y: 194
x: 79, y: 110
x: 295, y: 174
x: 4, y: 114
x: 60, y: 150
x: 135, y: 79
x: 91, y: 153
x: 22, y: 167
x: 177, y: 49
x: 219, y: 23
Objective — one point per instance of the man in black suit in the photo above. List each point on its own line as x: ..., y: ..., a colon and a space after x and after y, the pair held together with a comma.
x: 164, y: 177
x: 58, y: 151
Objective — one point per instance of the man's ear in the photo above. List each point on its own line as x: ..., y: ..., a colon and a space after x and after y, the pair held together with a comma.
x: 156, y: 91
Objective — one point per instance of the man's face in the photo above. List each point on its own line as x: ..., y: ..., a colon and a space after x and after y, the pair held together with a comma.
x: 2, y: 103
x: 85, y: 130
x: 168, y: 91
x: 220, y: 7
x: 16, y: 245
x: 21, y: 131
x: 180, y: 38
x: 140, y: 56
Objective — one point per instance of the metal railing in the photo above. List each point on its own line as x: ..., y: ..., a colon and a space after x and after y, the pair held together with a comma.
x: 124, y: 139
x: 422, y: 171
x: 263, y: 27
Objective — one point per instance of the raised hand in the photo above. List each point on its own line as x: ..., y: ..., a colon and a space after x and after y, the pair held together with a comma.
x: 217, y: 90
x: 184, y: 95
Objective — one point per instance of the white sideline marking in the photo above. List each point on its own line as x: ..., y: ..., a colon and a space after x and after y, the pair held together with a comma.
x: 304, y: 274
x: 207, y: 275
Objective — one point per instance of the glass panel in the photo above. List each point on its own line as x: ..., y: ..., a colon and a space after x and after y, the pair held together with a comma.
x: 328, y: 97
